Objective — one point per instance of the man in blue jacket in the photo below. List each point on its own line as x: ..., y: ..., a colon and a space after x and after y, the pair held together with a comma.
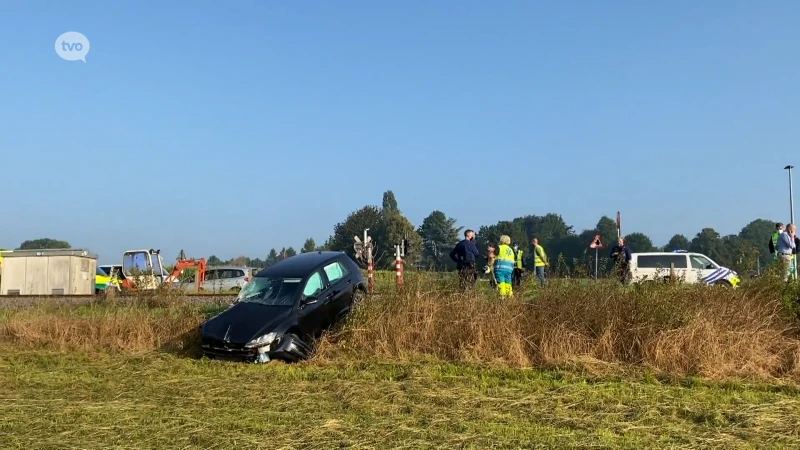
x: 465, y: 254
x: 621, y: 254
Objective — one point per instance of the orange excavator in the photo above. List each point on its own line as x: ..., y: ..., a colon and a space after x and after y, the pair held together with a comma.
x: 183, y: 264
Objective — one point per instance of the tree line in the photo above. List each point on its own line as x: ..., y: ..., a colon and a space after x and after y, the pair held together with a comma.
x: 431, y: 241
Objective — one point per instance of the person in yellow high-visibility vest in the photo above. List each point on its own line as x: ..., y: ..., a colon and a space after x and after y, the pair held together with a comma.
x: 519, y: 267
x: 773, y: 241
x: 504, y: 266
x: 539, y: 260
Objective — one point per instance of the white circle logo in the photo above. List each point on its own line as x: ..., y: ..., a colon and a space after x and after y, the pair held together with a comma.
x: 72, y: 46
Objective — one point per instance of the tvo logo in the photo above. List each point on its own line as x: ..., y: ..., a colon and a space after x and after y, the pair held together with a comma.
x: 72, y: 46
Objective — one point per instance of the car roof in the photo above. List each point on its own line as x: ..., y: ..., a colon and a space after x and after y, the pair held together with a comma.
x: 300, y: 265
x: 227, y: 267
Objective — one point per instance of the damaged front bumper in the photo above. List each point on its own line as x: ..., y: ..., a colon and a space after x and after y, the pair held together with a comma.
x: 287, y: 348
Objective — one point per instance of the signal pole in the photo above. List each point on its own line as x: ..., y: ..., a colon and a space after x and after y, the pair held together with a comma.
x: 365, y: 250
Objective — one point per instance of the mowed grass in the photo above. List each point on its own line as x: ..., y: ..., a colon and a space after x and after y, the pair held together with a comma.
x: 74, y: 400
x: 569, y: 366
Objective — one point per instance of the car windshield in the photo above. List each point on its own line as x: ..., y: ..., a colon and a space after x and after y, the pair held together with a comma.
x: 101, y: 272
x: 270, y: 291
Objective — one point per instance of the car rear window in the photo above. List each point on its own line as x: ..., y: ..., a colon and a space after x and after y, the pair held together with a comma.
x: 661, y: 261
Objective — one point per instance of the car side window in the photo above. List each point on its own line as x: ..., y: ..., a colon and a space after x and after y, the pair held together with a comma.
x: 700, y: 262
x: 314, y: 285
x: 335, y: 272
x: 212, y: 275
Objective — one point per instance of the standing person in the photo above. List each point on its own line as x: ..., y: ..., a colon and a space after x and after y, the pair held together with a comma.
x: 519, y: 266
x: 490, y: 266
x: 539, y: 260
x: 621, y: 254
x: 773, y: 240
x: 504, y: 266
x: 465, y: 254
x: 786, y: 248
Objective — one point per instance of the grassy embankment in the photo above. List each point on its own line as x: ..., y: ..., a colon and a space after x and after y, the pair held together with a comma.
x: 427, y: 368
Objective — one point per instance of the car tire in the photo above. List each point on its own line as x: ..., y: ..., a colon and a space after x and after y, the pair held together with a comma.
x: 722, y: 283
x: 358, y: 296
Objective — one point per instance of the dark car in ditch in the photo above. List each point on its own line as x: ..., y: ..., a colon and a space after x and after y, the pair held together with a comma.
x: 285, y: 308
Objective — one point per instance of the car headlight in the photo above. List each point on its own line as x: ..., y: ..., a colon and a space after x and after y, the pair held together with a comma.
x: 262, y: 340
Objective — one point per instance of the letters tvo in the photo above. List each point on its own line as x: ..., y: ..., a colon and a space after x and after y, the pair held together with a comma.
x: 67, y: 47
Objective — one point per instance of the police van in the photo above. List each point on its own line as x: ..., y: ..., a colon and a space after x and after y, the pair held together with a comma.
x: 690, y: 267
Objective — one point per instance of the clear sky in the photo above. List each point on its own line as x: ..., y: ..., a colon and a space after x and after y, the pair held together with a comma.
x: 229, y: 128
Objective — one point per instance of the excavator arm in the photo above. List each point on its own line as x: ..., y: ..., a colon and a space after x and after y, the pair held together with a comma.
x: 183, y: 264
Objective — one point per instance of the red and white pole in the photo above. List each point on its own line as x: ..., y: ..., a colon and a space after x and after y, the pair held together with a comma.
x: 370, y: 276
x: 398, y: 266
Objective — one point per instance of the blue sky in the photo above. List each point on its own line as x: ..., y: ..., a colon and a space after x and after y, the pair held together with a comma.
x: 230, y: 128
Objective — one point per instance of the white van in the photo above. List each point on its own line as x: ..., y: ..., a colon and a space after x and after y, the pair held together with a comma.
x: 689, y: 267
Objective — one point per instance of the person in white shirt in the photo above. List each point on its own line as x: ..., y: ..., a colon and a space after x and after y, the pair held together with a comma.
x: 786, y: 247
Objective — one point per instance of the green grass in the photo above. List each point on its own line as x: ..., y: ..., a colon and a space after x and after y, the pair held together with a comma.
x: 52, y: 400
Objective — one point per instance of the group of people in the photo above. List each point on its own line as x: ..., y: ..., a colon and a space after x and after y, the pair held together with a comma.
x: 783, y: 245
x: 505, y: 263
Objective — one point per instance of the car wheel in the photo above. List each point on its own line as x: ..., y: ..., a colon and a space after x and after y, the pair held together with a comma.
x: 305, y: 347
x: 236, y: 289
x: 722, y: 283
x: 358, y: 297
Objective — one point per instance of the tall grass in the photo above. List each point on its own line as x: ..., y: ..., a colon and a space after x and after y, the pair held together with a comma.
x: 681, y: 330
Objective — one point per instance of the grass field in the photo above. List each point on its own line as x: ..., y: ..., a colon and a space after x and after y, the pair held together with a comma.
x: 55, y: 400
x: 563, y: 367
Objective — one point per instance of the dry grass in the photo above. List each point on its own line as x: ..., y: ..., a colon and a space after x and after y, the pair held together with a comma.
x: 711, y: 332
x: 681, y: 330
x: 426, y: 368
x: 115, y: 327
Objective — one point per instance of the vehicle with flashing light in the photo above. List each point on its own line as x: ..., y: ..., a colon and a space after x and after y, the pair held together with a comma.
x: 689, y: 267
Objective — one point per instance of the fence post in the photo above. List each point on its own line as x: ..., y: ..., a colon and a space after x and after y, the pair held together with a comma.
x: 672, y: 272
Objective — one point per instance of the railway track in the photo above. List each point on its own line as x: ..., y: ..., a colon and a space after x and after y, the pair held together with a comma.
x: 23, y: 301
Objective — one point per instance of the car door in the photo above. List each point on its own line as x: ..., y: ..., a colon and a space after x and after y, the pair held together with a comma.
x: 705, y: 269
x: 340, y: 290
x: 211, y: 281
x: 313, y: 317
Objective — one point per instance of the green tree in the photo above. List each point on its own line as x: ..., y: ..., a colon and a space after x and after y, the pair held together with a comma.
x: 354, y: 225
x: 392, y: 228
x: 756, y: 236
x: 389, y: 202
x: 308, y: 246
x: 607, y: 229
x: 272, y: 258
x: 677, y: 242
x: 213, y: 260
x: 289, y: 252
x: 439, y: 234
x: 639, y: 242
x: 44, y: 244
x: 709, y: 243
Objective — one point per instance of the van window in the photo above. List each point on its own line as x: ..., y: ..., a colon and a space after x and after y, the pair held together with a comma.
x: 701, y: 262
x: 661, y: 261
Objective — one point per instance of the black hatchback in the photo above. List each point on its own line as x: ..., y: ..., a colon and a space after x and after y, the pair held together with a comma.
x: 285, y: 308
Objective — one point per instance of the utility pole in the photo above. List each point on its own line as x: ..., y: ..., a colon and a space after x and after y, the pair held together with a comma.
x: 791, y: 197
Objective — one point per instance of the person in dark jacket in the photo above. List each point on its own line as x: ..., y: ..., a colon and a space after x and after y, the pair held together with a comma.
x: 621, y: 254
x: 465, y: 254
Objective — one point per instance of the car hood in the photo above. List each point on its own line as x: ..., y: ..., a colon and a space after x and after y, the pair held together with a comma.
x: 244, y: 321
